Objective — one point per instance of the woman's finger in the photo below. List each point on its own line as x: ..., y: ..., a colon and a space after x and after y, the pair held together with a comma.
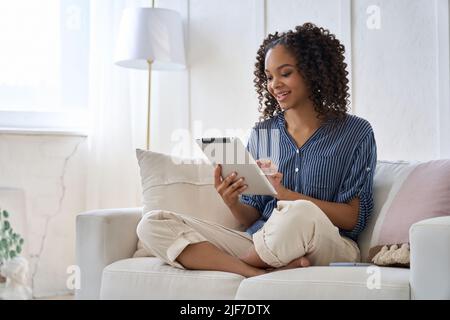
x: 217, y: 176
x: 239, y: 191
x: 233, y: 187
x: 224, y: 185
x: 229, y: 179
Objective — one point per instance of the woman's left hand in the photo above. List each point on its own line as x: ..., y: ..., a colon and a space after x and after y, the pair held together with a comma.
x: 275, y: 179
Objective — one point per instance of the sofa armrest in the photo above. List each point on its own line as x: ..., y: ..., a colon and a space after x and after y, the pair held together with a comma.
x: 102, y: 237
x: 430, y: 258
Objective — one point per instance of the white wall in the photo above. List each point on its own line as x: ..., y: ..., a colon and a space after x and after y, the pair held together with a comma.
x: 399, y: 71
x: 395, y: 70
x: 215, y: 95
x: 44, y: 177
x: 222, y: 48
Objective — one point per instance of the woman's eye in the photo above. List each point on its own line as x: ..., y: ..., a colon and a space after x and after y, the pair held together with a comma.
x: 287, y: 74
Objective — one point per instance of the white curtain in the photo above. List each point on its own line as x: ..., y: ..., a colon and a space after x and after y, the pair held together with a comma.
x: 113, y: 177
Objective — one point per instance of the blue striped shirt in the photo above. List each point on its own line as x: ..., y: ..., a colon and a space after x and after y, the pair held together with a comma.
x: 336, y: 164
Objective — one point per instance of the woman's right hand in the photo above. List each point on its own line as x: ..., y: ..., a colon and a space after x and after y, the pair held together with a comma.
x: 229, y: 188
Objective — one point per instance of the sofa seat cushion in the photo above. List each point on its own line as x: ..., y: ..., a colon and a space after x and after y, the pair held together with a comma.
x: 150, y: 278
x: 328, y: 283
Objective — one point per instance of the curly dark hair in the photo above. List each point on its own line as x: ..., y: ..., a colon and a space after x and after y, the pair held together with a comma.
x: 320, y: 61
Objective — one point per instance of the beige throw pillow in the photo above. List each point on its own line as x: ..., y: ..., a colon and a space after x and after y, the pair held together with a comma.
x: 183, y: 186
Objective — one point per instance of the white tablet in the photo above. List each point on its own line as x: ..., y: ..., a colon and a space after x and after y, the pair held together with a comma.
x: 231, y: 154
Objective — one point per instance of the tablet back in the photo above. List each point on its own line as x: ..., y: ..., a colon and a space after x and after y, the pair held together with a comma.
x: 231, y: 154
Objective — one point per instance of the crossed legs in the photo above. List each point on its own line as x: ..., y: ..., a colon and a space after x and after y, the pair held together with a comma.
x: 297, y: 235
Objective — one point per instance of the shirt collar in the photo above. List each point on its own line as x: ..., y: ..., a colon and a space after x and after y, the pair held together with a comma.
x: 282, y: 127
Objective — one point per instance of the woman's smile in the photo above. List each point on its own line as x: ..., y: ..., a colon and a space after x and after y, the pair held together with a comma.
x: 282, y: 95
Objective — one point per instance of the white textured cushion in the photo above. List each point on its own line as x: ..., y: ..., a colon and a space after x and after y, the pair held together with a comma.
x: 150, y: 278
x: 327, y: 283
x: 184, y: 186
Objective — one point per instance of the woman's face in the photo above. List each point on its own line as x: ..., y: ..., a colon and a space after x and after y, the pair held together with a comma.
x: 284, y: 81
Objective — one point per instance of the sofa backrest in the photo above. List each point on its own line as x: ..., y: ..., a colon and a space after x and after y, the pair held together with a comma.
x: 387, y: 179
x: 188, y: 188
x: 404, y: 193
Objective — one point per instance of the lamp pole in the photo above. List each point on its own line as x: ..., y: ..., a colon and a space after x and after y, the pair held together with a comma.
x: 148, y: 106
x: 149, y: 95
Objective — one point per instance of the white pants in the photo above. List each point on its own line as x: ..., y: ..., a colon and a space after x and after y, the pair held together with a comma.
x: 295, y: 229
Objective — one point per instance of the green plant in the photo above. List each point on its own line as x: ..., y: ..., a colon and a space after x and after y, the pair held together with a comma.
x: 10, y: 242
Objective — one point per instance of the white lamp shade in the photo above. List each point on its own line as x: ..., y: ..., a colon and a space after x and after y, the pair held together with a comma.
x: 154, y: 34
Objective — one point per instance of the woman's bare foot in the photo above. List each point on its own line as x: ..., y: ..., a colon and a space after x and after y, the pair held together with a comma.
x: 301, y: 262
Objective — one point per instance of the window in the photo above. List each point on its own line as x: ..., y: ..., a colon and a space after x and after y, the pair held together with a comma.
x: 44, y: 63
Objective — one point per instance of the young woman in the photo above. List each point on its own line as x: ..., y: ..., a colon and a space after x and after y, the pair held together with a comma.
x: 325, y: 157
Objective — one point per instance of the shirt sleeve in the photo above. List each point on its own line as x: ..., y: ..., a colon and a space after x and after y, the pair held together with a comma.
x: 258, y: 202
x: 358, y: 182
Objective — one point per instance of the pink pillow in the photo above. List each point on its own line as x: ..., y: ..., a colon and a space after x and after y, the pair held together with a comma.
x: 424, y: 194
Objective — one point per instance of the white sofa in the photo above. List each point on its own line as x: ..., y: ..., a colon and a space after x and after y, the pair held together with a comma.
x: 106, y: 241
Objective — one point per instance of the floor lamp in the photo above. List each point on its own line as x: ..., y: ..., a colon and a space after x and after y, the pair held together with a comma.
x: 150, y: 39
